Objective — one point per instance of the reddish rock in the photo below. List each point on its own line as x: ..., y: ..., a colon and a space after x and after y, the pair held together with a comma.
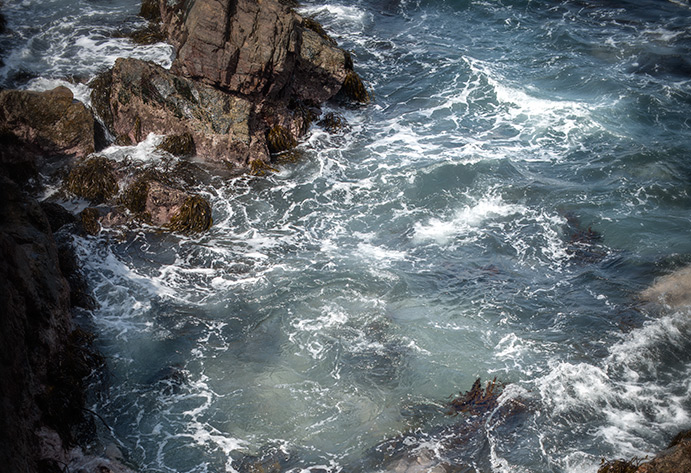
x: 142, y: 98
x: 676, y: 459
x: 258, y: 49
x: 163, y: 202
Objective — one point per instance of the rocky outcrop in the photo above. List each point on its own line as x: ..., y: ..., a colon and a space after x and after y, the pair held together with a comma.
x: 258, y: 49
x: 35, y: 333
x: 39, y: 125
x: 141, y: 98
x: 243, y: 69
x: 674, y: 459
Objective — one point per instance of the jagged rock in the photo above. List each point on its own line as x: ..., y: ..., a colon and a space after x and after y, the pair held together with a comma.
x: 675, y: 459
x: 138, y: 98
x: 258, y: 49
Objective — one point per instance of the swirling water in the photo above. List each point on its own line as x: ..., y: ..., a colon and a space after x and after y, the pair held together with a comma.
x: 443, y: 236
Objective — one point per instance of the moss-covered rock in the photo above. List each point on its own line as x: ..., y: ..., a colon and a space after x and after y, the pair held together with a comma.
x: 93, y: 179
x: 150, y: 34
x: 134, y: 197
x: 193, y: 217
x: 278, y: 139
x: 260, y: 168
x: 178, y: 145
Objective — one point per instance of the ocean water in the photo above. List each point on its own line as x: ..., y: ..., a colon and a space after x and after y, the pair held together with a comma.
x: 522, y: 173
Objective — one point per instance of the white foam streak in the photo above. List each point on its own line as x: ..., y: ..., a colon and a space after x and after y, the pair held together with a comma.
x: 465, y: 221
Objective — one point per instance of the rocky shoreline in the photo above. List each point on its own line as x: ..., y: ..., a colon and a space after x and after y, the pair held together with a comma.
x: 248, y: 80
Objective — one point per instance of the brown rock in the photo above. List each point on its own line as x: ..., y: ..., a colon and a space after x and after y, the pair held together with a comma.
x: 258, y: 49
x: 672, y: 290
x: 144, y: 98
x: 676, y: 459
x: 163, y: 202
x: 52, y: 122
x: 243, y: 46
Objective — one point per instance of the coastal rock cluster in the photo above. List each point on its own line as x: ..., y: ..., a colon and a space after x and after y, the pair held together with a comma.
x: 247, y: 81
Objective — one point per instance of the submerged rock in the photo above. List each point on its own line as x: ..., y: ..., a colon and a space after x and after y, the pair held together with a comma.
x: 672, y: 290
x: 477, y: 401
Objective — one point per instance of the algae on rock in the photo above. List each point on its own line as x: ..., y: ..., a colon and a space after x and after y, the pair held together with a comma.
x: 193, y: 217
x: 278, y: 139
x: 93, y: 179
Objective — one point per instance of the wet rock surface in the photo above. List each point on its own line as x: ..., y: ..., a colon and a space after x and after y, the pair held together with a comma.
x: 137, y: 98
x: 242, y: 69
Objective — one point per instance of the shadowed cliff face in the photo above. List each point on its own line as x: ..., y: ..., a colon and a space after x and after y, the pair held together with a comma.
x: 35, y: 323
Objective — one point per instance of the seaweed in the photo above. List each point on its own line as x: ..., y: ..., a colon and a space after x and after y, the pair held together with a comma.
x: 278, y: 139
x: 150, y: 34
x: 93, y: 179
x: 260, y: 168
x: 150, y: 10
x: 178, y: 145
x: 477, y: 400
x: 354, y: 89
x: 193, y: 217
x: 304, y: 113
x: 680, y: 437
x: 89, y: 218
x: 134, y: 197
x: 620, y: 466
x: 312, y: 24
x: 332, y: 122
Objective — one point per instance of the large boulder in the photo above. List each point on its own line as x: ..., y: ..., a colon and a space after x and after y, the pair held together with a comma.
x: 136, y: 98
x: 258, y: 49
x: 36, y: 125
x: 52, y: 120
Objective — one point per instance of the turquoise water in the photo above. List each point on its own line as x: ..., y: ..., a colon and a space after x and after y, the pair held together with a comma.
x: 522, y: 174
